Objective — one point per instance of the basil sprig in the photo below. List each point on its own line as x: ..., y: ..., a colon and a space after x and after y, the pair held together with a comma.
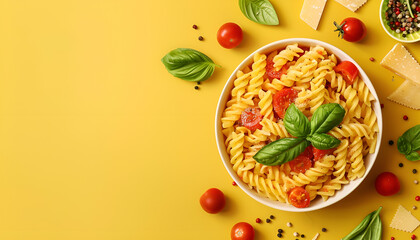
x: 409, y: 143
x: 369, y: 229
x: 325, y: 118
x: 259, y: 11
x: 189, y: 64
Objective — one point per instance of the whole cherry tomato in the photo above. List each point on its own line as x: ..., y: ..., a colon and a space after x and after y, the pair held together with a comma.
x: 351, y: 29
x: 229, y: 35
x: 387, y: 184
x: 213, y: 200
x: 242, y: 231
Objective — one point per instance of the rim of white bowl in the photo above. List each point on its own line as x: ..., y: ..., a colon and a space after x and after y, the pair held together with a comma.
x: 386, y: 30
x: 318, y: 203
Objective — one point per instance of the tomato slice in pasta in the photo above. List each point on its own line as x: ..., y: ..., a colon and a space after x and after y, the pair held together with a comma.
x: 271, y: 71
x: 318, y: 153
x: 299, y: 197
x: 349, y: 71
x: 300, y: 164
x: 282, y: 99
x: 251, y: 118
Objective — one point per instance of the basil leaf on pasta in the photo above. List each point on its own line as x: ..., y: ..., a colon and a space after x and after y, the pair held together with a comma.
x: 281, y: 151
x: 326, y: 117
x: 296, y: 123
x: 323, y: 141
x: 259, y: 11
x: 188, y: 64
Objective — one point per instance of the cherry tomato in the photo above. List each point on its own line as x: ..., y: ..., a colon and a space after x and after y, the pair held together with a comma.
x: 282, y: 99
x: 351, y: 29
x: 348, y: 70
x: 387, y: 184
x: 271, y: 71
x: 300, y: 164
x: 242, y: 231
x: 251, y: 118
x: 318, y: 153
x: 299, y: 197
x: 213, y: 200
x: 229, y: 35
x: 308, y: 152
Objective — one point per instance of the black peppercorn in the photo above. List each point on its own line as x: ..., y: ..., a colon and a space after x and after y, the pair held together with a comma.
x: 271, y: 216
x: 390, y: 142
x: 200, y: 38
x: 324, y: 229
x: 196, y: 88
x: 267, y: 220
x: 414, y: 171
x: 400, y: 165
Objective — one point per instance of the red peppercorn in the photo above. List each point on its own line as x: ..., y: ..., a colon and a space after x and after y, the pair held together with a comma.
x: 415, y: 15
x: 234, y: 183
x: 258, y: 220
x: 397, y: 24
x: 371, y: 59
x: 382, y: 105
x: 195, y: 26
x: 402, y: 29
x: 413, y: 236
x: 417, y: 198
x: 397, y: 12
x: 405, y: 117
x: 417, y: 9
x: 392, y: 238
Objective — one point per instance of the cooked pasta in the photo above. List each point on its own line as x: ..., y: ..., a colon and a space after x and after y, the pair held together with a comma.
x: 310, y: 76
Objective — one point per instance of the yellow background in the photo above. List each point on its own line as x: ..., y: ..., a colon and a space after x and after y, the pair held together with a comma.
x: 99, y: 141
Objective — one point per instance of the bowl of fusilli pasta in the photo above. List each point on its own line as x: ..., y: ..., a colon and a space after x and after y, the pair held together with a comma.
x: 251, y: 117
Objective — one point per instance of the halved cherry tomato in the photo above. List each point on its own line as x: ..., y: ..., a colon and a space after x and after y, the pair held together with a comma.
x: 318, y: 153
x: 242, y: 231
x: 282, y: 99
x: 251, y: 118
x: 271, y: 71
x: 349, y: 71
x: 300, y: 164
x: 308, y: 152
x: 299, y: 197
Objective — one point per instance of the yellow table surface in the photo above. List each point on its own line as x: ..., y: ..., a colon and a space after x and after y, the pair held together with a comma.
x: 99, y: 141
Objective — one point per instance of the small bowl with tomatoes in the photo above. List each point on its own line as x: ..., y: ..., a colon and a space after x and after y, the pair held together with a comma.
x: 317, y: 203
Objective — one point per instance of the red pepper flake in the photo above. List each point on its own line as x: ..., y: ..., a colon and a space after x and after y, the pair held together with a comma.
x: 413, y: 236
x: 234, y: 183
x: 258, y: 220
x: 372, y: 59
x: 405, y: 117
x: 417, y: 198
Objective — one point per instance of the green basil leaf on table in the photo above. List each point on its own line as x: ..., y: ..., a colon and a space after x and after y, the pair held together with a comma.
x: 259, y: 11
x: 281, y: 151
x: 409, y: 143
x: 403, y: 146
x: 412, y: 135
x: 296, y: 123
x: 413, y: 156
x: 369, y: 229
x: 189, y: 64
x: 326, y: 117
x: 360, y: 228
x: 323, y: 141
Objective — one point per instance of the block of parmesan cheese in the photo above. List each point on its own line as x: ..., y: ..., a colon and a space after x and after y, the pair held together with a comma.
x: 312, y: 11
x: 400, y: 61
x: 407, y: 95
x: 353, y: 5
x: 404, y: 220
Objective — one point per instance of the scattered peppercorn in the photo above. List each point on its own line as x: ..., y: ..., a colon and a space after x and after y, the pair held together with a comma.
x: 405, y: 117
x: 267, y: 220
x: 280, y: 230
x: 400, y: 165
x: 198, y: 83
x: 414, y: 207
x: 413, y: 236
x: 390, y: 142
x: 417, y: 198
x: 271, y: 216
x: 234, y: 183
x: 200, y: 38
x: 340, y: 127
x: 382, y: 105
x: 296, y: 234
x: 392, y: 238
x: 258, y: 220
x: 372, y: 59
x: 414, y: 171
x: 196, y: 88
x: 289, y: 224
x: 416, y: 182
x: 195, y: 26
x: 302, y: 235
x: 279, y: 235
x: 324, y: 229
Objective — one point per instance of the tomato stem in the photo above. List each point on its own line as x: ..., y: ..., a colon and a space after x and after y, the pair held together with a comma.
x: 339, y: 29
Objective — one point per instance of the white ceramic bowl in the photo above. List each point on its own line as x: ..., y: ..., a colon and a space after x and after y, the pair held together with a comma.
x: 318, y: 203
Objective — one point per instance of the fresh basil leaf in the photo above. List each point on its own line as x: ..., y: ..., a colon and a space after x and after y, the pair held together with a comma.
x: 296, y: 123
x: 259, y: 11
x: 281, y: 151
x: 323, y: 141
x: 403, y: 146
x: 326, y: 117
x: 360, y: 228
x: 413, y: 156
x: 188, y: 64
x: 369, y: 229
x: 412, y: 136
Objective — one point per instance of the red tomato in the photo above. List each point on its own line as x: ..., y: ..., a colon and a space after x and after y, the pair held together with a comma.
x: 308, y: 152
x: 229, y: 35
x: 213, y: 200
x: 349, y: 71
x: 251, y: 118
x: 318, y: 153
x: 352, y: 29
x: 271, y: 70
x: 282, y: 99
x: 299, y: 197
x: 242, y: 231
x: 300, y: 164
x: 387, y: 184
